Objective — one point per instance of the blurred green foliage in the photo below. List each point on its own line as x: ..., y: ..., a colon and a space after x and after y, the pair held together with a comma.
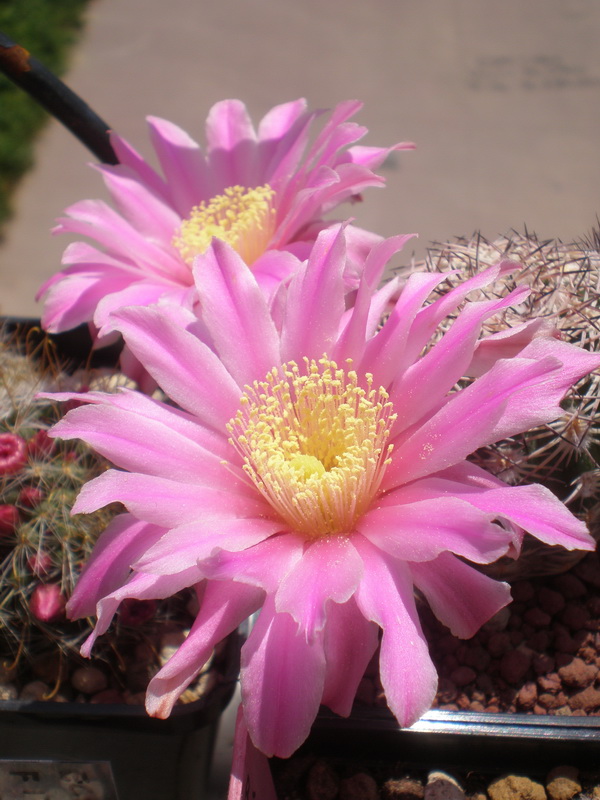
x: 47, y: 29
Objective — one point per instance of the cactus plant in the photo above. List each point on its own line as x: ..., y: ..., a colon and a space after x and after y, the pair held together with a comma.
x: 43, y: 548
x: 565, y: 455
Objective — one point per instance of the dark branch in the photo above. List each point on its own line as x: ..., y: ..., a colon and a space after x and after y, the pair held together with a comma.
x: 60, y: 101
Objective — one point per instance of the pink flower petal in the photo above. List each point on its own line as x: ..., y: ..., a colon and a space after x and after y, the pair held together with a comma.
x: 110, y: 563
x: 282, y: 679
x: 236, y: 312
x: 264, y: 565
x: 186, y: 545
x: 386, y: 597
x: 139, y: 587
x: 532, y: 507
x: 146, y: 211
x: 421, y: 386
x: 350, y: 642
x: 329, y: 571
x: 132, y: 441
x: 188, y: 180
x: 222, y: 608
x: 420, y: 531
x: 231, y: 143
x: 199, y: 384
x: 460, y: 597
x: 515, y: 395
x: 163, y: 501
x: 315, y: 300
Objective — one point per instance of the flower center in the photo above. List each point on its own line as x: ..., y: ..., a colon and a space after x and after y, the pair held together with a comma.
x: 244, y: 218
x: 314, y: 443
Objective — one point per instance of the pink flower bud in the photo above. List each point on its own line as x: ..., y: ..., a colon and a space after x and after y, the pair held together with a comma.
x: 9, y: 519
x: 40, y: 444
x: 135, y: 612
x: 40, y: 564
x: 13, y: 453
x: 47, y: 603
x: 30, y: 496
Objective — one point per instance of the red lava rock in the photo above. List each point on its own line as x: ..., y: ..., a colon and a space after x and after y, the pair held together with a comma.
x: 574, y: 616
x: 514, y: 665
x: 447, y: 691
x: 515, y: 621
x: 477, y: 657
x: 550, y: 601
x: 570, y: 586
x: 498, y: 644
x: 359, y: 787
x: 540, y: 640
x: 476, y: 705
x: 548, y: 701
x: 550, y: 682
x: 564, y: 643
x: 578, y: 674
x: 485, y: 683
x: 588, y: 654
x: 588, y: 699
x: 402, y: 789
x: 450, y: 663
x: 538, y: 709
x: 107, y: 696
x: 448, y: 644
x: 589, y: 570
x: 461, y: 676
x: 322, y: 782
x: 522, y: 591
x: 542, y: 663
x: 563, y: 711
x: 593, y: 605
x: 516, y: 637
x: 527, y: 696
x: 536, y: 617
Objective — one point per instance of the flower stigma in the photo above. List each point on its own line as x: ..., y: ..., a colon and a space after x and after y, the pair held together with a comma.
x: 244, y: 218
x: 313, y: 441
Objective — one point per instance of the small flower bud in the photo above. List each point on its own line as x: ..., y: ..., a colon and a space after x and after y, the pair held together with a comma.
x: 40, y: 564
x: 47, y: 603
x: 9, y: 519
x: 40, y: 444
x: 30, y: 496
x: 13, y: 453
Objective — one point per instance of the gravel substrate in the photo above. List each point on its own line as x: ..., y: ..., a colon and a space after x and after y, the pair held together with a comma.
x: 540, y: 655
x: 312, y: 778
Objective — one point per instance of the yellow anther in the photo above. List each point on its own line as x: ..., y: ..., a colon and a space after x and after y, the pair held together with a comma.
x: 314, y: 442
x: 244, y: 218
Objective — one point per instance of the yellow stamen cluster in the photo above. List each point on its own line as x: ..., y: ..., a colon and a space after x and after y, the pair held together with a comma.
x: 313, y: 442
x: 244, y: 218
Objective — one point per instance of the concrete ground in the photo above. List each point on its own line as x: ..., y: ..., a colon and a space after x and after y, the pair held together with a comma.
x: 502, y: 99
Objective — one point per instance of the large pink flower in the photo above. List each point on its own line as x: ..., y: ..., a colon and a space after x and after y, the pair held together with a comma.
x: 263, y: 192
x: 316, y: 469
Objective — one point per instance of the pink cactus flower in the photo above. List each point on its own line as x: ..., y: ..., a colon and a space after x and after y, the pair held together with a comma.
x: 47, y: 603
x: 317, y: 471
x: 264, y: 192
